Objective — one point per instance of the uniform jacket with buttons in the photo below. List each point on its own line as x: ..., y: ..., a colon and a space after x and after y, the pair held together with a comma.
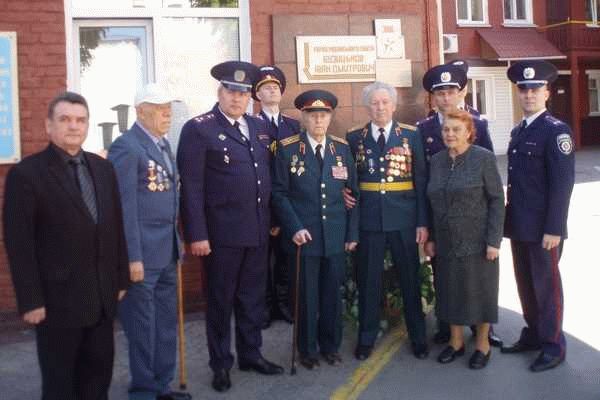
x: 430, y: 131
x: 149, y: 197
x: 285, y: 128
x: 225, y: 181
x: 311, y: 199
x: 467, y: 202
x: 541, y: 174
x: 390, y: 210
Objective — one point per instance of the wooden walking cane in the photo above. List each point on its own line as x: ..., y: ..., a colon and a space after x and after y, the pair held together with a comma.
x: 180, y: 325
x: 297, y: 290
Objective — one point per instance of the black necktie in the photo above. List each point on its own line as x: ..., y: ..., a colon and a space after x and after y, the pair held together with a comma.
x: 167, y: 155
x: 273, y: 123
x: 522, y: 127
x: 381, y: 139
x: 84, y: 183
x: 319, y: 156
x: 236, y: 125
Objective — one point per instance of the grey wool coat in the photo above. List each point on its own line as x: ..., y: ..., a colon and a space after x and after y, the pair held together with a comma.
x: 467, y: 202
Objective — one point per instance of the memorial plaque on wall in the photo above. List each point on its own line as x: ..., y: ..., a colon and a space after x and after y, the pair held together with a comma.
x: 330, y: 59
x: 10, y: 149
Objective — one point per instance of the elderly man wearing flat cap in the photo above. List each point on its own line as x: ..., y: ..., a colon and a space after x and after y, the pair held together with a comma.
x: 541, y: 174
x: 148, y: 182
x: 268, y: 90
x: 224, y: 162
x: 310, y: 172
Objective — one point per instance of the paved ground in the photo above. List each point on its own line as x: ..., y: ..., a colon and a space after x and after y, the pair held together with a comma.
x: 506, y: 377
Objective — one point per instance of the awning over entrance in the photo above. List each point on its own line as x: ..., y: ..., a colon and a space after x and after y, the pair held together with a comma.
x: 517, y: 44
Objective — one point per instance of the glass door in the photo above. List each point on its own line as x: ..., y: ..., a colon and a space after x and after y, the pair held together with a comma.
x: 113, y: 59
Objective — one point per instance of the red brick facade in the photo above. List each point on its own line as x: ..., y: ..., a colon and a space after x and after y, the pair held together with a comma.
x: 40, y: 27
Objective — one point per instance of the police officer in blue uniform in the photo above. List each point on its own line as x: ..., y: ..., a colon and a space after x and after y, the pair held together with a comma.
x: 541, y: 175
x: 309, y: 174
x: 446, y: 83
x: 462, y: 104
x: 223, y: 159
x: 268, y: 90
x: 148, y: 184
x: 393, y: 213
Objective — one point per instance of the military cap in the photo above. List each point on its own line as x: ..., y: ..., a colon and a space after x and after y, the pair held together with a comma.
x: 269, y: 73
x: 316, y: 100
x: 444, y: 76
x: 460, y: 63
x: 531, y: 74
x: 236, y: 75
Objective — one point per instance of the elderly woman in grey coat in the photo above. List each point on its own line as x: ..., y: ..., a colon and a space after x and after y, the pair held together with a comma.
x: 467, y: 202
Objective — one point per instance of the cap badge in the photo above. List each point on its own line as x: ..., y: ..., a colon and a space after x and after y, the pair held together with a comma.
x: 267, y: 69
x: 445, y: 77
x: 239, y: 75
x: 318, y: 103
x: 528, y: 73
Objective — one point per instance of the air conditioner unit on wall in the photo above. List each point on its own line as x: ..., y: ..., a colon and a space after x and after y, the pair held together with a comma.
x: 450, y: 43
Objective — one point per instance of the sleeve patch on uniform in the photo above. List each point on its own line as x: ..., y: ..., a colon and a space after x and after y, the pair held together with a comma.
x: 565, y: 143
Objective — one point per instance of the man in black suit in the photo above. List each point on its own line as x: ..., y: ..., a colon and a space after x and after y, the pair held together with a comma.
x: 63, y: 233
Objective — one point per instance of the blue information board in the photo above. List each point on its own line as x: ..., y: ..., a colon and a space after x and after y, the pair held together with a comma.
x: 10, y: 134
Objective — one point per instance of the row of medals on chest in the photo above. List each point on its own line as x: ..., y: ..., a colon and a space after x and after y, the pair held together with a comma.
x: 158, y: 178
x: 297, y: 165
x: 399, y: 160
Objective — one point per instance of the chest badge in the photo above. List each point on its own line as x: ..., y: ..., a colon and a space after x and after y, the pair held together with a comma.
x: 222, y: 136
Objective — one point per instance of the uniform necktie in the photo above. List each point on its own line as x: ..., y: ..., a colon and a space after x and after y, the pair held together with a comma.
x: 522, y: 127
x: 86, y: 187
x: 236, y: 125
x: 319, y: 156
x: 165, y: 149
x: 381, y: 139
x: 273, y: 123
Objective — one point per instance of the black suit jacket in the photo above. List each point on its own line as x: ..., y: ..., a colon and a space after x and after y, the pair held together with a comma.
x: 59, y: 258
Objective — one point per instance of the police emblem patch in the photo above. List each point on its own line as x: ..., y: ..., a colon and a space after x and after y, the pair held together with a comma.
x: 222, y: 136
x: 239, y: 75
x: 565, y: 143
x: 528, y: 73
x: 445, y: 77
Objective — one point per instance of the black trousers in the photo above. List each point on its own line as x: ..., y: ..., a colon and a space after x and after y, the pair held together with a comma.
x: 278, y: 276
x: 76, y: 363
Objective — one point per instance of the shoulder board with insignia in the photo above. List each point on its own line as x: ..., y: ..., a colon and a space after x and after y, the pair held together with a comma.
x: 338, y: 139
x: 355, y: 128
x: 406, y: 126
x: 290, y: 140
x: 205, y: 117
x: 259, y: 116
x: 554, y: 120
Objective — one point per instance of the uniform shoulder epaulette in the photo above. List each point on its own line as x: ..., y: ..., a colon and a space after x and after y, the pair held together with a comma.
x: 290, y: 140
x: 406, y: 126
x: 355, y: 128
x: 426, y: 119
x: 259, y: 116
x: 205, y: 117
x: 554, y: 120
x: 338, y: 139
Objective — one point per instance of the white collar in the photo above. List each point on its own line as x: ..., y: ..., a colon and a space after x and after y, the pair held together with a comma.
x: 386, y: 132
x: 241, y: 120
x: 313, y: 144
x: 529, y: 120
x: 272, y: 116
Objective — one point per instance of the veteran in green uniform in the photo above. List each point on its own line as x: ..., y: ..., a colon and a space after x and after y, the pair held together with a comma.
x: 393, y: 214
x: 310, y: 172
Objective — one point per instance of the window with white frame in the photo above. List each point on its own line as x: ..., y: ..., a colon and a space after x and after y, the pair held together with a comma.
x: 518, y: 12
x: 592, y: 9
x: 594, y: 92
x: 478, y: 96
x: 472, y: 12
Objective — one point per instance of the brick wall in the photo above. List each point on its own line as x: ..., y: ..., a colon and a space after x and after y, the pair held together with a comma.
x: 40, y: 27
x: 280, y: 20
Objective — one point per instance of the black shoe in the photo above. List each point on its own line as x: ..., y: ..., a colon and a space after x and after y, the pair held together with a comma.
x: 449, y: 354
x: 309, y: 362
x: 332, y: 358
x: 221, y: 381
x: 545, y: 361
x: 494, y: 339
x: 519, y: 347
x: 362, y: 352
x: 262, y: 366
x: 420, y: 350
x: 479, y: 360
x: 441, y: 337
